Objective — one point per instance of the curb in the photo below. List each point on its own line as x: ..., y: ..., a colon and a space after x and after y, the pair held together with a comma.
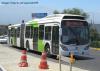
x: 98, y: 49
x: 2, y: 68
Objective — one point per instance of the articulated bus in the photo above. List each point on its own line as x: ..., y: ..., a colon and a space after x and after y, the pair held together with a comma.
x: 65, y: 32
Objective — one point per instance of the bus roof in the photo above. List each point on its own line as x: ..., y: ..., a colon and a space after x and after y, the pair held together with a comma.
x: 59, y: 17
x: 14, y: 25
x: 52, y: 18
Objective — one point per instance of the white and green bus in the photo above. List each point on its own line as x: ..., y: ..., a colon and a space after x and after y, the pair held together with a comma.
x: 64, y: 32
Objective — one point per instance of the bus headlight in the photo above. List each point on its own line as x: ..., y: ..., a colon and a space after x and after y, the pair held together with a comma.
x: 86, y: 48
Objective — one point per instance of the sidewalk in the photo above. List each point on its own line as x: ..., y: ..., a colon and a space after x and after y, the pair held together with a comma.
x: 10, y: 58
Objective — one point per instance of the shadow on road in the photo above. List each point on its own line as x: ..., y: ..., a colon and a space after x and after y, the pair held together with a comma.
x: 83, y: 58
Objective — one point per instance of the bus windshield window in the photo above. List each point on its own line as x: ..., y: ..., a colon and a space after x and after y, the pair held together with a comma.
x: 75, y: 32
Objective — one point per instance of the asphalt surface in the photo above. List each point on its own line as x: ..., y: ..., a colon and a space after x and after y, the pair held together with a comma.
x: 90, y: 62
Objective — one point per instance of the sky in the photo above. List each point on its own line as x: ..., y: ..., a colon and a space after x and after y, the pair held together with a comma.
x: 14, y: 13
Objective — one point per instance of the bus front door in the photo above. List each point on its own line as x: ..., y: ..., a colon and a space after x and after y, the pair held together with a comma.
x: 55, y: 39
x: 22, y: 35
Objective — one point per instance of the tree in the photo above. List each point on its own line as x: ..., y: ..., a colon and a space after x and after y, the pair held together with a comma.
x: 95, y: 38
x: 65, y: 11
x: 94, y: 34
x: 56, y: 12
x: 75, y: 11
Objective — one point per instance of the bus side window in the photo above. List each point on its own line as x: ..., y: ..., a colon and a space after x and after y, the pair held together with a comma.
x: 12, y: 32
x: 31, y: 31
x: 48, y: 33
x: 41, y: 31
x: 18, y: 31
x: 27, y: 32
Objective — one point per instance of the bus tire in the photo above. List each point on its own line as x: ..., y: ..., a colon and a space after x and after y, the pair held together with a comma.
x: 47, y: 50
x: 27, y: 45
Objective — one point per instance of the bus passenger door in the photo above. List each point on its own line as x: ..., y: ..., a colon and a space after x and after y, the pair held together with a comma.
x: 35, y: 38
x: 55, y: 39
x: 22, y: 35
x: 15, y: 37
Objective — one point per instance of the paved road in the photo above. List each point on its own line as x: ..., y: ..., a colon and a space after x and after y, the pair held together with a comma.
x: 91, y: 62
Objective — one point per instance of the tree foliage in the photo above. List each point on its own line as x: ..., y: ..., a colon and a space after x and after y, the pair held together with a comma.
x: 75, y: 11
x: 94, y: 34
x: 56, y: 12
x: 95, y: 38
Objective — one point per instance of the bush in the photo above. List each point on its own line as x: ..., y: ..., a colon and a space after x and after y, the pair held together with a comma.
x: 95, y: 44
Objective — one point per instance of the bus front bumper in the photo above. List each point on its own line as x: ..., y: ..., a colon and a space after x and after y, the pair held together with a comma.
x: 75, y: 52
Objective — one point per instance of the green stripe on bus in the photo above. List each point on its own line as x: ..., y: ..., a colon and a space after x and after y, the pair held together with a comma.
x: 34, y: 23
x: 40, y: 45
x: 13, y: 40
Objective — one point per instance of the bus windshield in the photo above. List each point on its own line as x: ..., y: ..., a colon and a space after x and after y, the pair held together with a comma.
x: 74, y: 32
